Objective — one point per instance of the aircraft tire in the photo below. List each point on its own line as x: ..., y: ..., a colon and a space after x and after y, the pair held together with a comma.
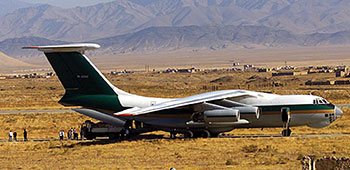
x: 172, y: 135
x: 112, y: 136
x: 214, y: 135
x: 206, y: 134
x: 189, y: 134
x: 90, y: 136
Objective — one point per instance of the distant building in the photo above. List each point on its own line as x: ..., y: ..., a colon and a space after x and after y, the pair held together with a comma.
x: 342, y: 71
x: 342, y: 82
x: 299, y: 73
x: 288, y: 68
x: 262, y: 70
x: 318, y: 83
x: 283, y: 74
x: 187, y: 70
x: 248, y: 67
x: 295, y: 73
x: 121, y: 72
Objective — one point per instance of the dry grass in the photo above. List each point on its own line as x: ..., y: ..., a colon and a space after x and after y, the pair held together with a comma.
x: 217, y: 153
x: 270, y: 153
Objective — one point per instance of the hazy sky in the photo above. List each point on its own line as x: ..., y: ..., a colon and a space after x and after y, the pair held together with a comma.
x: 68, y: 3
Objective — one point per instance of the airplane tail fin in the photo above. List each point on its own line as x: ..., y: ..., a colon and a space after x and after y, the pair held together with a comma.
x: 85, y: 85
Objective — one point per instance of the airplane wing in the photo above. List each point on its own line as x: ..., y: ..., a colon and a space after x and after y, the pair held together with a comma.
x: 200, y: 99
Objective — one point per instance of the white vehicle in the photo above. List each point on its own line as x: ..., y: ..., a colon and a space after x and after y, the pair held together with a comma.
x: 205, y: 115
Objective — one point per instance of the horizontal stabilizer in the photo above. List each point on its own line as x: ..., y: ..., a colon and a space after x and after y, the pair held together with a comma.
x: 82, y: 47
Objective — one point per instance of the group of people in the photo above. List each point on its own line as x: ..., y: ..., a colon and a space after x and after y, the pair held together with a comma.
x: 72, y: 134
x: 13, y: 135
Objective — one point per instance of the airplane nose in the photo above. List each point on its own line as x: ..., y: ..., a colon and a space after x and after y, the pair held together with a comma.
x: 338, y: 112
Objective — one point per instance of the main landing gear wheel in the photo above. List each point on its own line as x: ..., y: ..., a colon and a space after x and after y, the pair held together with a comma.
x: 89, y: 136
x: 205, y: 134
x: 189, y: 134
x: 214, y: 135
x: 172, y: 135
x: 286, y: 132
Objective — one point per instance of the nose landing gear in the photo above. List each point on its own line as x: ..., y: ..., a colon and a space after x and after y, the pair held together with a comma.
x: 285, y: 114
x: 286, y: 132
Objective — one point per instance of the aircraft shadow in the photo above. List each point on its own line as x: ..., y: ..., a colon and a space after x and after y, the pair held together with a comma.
x: 109, y: 141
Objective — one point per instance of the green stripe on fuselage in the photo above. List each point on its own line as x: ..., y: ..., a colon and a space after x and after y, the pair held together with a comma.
x: 303, y: 107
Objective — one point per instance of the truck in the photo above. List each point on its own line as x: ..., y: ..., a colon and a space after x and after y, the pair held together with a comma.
x: 92, y: 130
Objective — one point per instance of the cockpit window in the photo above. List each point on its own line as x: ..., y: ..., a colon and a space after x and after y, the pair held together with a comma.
x: 325, y: 101
x: 320, y: 101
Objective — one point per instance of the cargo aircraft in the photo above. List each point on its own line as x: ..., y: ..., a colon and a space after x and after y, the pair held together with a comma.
x: 202, y: 115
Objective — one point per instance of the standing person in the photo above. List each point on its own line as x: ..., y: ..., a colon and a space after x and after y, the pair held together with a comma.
x: 69, y: 134
x: 75, y: 134
x: 61, y: 135
x: 25, y: 135
x: 15, y: 136
x: 10, y: 136
x: 81, y: 133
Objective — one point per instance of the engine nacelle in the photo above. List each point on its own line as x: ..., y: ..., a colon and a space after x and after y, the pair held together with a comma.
x: 249, y: 112
x: 221, y: 115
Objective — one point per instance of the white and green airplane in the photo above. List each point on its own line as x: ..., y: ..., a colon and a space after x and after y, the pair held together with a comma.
x: 205, y: 115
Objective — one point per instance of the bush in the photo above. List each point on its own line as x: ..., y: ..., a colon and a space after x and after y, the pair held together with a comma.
x: 250, y: 148
x: 229, y: 162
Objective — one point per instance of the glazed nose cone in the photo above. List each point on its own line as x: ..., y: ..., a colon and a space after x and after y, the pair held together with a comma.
x: 338, y: 112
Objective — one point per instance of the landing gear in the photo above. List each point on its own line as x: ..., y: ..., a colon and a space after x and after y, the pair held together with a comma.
x: 286, y: 132
x: 172, y: 135
x: 285, y: 114
x: 113, y: 136
x: 205, y: 134
x: 214, y: 135
x: 196, y: 134
x: 189, y: 134
x: 90, y: 136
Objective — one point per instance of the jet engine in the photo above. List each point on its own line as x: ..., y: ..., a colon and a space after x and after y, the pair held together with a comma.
x: 221, y: 115
x: 249, y: 112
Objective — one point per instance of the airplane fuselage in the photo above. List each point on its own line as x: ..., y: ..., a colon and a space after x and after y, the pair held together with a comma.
x: 304, y: 111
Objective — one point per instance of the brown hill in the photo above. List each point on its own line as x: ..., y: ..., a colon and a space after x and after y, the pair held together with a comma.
x: 8, y: 64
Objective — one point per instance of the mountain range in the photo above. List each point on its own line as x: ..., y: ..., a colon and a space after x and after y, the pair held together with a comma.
x: 129, y: 16
x: 193, y: 38
x: 8, y: 6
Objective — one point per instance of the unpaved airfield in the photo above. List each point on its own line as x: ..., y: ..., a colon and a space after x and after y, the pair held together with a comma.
x: 155, y: 150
